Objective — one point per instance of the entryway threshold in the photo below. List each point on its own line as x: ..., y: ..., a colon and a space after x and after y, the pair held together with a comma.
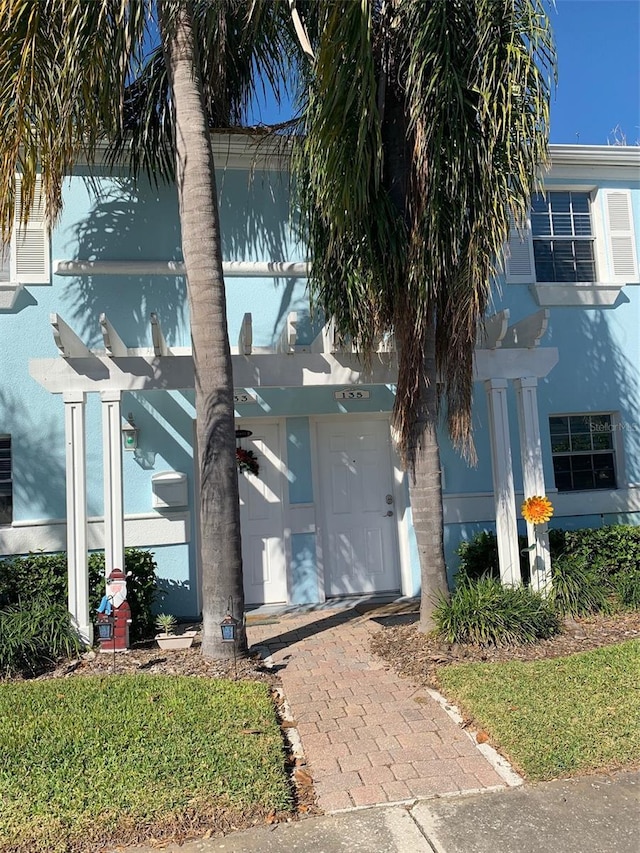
x: 361, y: 603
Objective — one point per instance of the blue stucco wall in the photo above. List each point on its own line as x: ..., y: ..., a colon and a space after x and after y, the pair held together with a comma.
x: 599, y: 355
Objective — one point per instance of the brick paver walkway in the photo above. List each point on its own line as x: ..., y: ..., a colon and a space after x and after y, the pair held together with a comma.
x: 369, y: 736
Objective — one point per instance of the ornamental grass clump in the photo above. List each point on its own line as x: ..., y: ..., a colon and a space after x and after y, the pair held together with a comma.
x: 35, y: 635
x: 486, y: 613
x: 578, y: 588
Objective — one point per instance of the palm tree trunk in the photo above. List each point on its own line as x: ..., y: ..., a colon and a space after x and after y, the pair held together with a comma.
x: 201, y: 245
x: 425, y: 480
x: 425, y: 490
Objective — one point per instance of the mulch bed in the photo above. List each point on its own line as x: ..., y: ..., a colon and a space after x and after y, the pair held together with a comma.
x: 419, y: 656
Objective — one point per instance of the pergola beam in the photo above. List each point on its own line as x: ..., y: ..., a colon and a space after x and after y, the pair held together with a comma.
x: 112, y: 341
x: 66, y: 340
x: 492, y: 330
x: 245, y: 338
x: 527, y: 333
x: 287, y: 340
x: 160, y: 347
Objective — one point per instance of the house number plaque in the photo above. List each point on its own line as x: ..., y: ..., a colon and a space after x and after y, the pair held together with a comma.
x: 351, y: 394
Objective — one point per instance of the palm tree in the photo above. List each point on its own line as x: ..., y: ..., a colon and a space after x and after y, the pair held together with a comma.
x: 68, y: 71
x: 426, y: 125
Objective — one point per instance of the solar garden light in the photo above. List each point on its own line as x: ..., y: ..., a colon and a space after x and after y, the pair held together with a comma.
x: 229, y: 630
x: 229, y: 626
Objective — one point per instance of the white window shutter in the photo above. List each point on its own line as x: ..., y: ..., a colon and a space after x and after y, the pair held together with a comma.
x: 623, y: 261
x: 30, y: 263
x: 519, y: 262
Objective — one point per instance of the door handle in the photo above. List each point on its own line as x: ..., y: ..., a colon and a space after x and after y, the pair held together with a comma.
x: 388, y: 513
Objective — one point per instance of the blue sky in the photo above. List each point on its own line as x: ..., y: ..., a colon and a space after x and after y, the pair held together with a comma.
x: 598, y: 44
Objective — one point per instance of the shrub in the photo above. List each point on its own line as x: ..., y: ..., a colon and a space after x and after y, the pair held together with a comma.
x: 479, y: 558
x: 589, y: 566
x: 37, y: 574
x: 577, y: 587
x: 611, y: 549
x: 486, y: 613
x: 34, y: 635
x: 627, y: 587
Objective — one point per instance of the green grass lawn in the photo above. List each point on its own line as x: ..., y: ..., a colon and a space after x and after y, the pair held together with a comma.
x: 556, y: 717
x: 92, y: 759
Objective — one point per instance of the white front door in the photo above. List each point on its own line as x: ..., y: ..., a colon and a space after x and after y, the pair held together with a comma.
x: 263, y: 551
x: 356, y: 479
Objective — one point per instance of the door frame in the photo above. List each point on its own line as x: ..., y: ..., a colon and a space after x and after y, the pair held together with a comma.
x: 399, y: 491
x: 281, y: 422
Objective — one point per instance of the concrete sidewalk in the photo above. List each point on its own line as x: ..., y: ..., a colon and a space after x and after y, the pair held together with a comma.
x: 588, y: 815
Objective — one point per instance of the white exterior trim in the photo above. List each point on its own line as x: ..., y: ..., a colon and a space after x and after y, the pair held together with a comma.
x: 479, y: 507
x: 533, y: 479
x: 562, y: 295
x: 270, y: 370
x: 264, y: 370
x: 9, y: 292
x: 76, y: 482
x: 113, y: 491
x: 503, y: 486
x: 593, y: 156
x: 231, y: 269
x: 141, y: 530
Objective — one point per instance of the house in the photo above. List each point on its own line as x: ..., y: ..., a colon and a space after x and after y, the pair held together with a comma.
x: 95, y: 340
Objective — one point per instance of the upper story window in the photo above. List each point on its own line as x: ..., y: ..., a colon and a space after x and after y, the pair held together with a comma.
x: 6, y: 485
x: 25, y: 259
x: 577, y: 248
x: 583, y: 452
x: 563, y: 239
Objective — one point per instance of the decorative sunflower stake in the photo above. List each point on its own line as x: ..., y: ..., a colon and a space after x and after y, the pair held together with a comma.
x: 246, y: 460
x: 537, y: 509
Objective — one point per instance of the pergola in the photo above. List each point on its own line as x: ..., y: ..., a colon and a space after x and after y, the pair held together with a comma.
x: 505, y: 353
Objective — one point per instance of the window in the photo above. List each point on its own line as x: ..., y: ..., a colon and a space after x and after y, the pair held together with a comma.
x: 583, y: 452
x: 6, y: 489
x: 577, y: 248
x: 563, y: 237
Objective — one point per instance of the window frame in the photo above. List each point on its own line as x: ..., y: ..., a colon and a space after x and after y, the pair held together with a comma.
x: 616, y: 450
x: 592, y: 238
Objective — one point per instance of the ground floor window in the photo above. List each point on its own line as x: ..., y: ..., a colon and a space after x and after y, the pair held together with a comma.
x: 583, y: 452
x: 6, y: 487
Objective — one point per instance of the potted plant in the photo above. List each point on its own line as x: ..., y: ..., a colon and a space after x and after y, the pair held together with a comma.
x: 167, y: 638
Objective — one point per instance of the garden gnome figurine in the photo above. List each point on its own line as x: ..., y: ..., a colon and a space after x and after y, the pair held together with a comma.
x: 120, y: 613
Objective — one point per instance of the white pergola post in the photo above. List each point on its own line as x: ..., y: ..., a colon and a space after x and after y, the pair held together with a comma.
x: 76, y: 481
x: 503, y: 488
x: 533, y: 479
x: 112, y: 454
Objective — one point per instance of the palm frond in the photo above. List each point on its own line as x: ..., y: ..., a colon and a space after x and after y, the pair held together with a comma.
x: 63, y: 67
x: 426, y: 126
